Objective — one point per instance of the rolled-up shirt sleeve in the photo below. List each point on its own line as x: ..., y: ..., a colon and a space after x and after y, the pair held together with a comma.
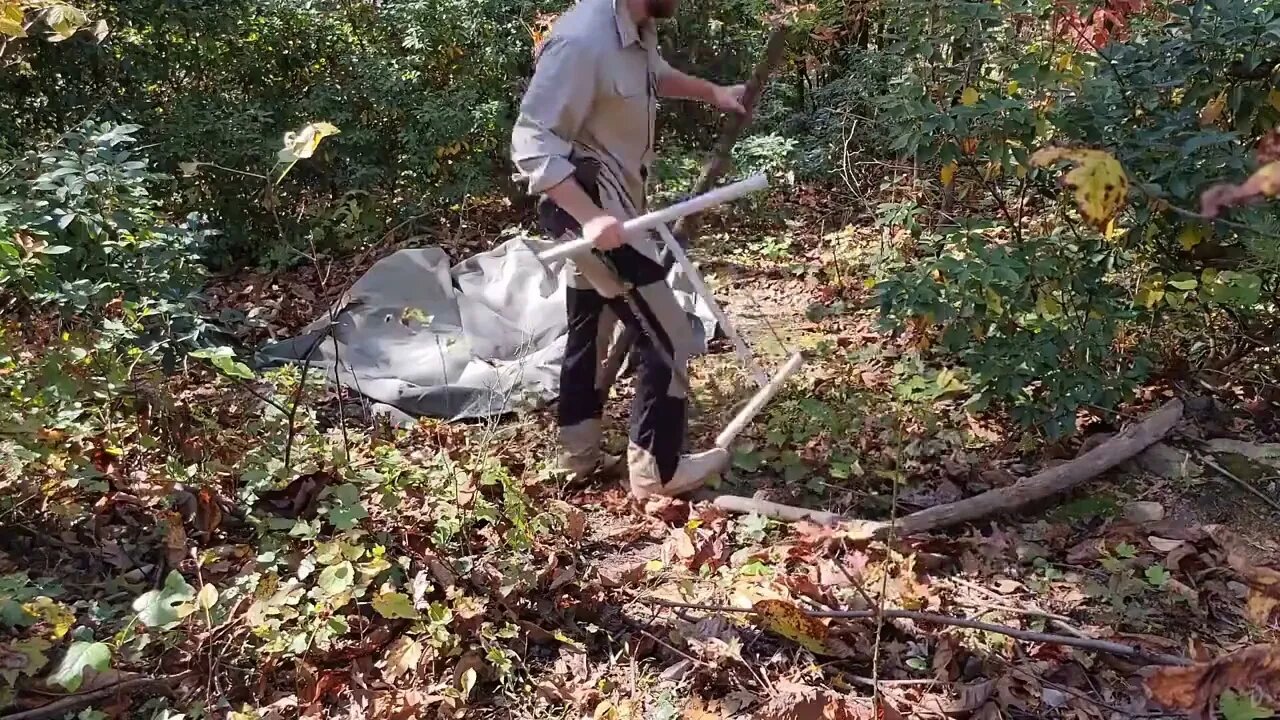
x: 552, y: 112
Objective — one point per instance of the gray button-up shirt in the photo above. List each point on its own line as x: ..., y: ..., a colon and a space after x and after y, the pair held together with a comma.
x: 593, y: 94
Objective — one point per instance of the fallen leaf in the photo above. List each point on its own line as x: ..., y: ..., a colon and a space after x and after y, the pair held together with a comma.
x: 790, y: 621
x: 1194, y: 688
x: 1164, y: 545
x: 401, y: 659
x: 794, y: 701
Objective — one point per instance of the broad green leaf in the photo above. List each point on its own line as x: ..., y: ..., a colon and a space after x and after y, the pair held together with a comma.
x: 81, y: 655
x: 1157, y: 575
x: 394, y: 605
x: 64, y: 20
x: 1242, y: 706
x: 54, y: 249
x: 336, y: 579
x: 1184, y: 281
x: 165, y: 608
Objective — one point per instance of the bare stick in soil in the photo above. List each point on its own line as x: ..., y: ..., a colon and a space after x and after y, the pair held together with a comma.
x: 71, y: 703
x: 1105, y: 646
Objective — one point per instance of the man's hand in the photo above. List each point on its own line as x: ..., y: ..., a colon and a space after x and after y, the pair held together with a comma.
x: 729, y: 98
x: 604, y: 232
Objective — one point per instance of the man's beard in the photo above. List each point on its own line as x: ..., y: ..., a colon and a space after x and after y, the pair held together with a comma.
x: 661, y: 9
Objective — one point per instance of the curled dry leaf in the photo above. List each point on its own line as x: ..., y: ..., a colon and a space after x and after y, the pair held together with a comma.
x: 1195, y: 688
x: 1100, y: 183
x: 790, y: 621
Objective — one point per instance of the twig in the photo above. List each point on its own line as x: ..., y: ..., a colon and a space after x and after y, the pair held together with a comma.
x: 1106, y: 646
x: 1243, y: 483
x: 72, y: 703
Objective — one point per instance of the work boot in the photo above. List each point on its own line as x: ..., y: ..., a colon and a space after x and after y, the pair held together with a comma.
x: 581, y: 456
x: 691, y: 474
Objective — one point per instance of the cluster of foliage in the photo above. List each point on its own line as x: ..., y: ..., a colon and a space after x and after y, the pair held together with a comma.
x: 425, y: 92
x: 1046, y: 318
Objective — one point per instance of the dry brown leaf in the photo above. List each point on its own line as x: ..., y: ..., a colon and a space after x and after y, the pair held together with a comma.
x: 795, y: 701
x: 1264, y: 582
x: 1163, y: 545
x: 1195, y: 688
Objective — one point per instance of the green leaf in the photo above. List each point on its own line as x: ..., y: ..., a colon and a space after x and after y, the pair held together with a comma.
x: 64, y: 20
x: 207, y: 598
x: 1126, y: 550
x: 1184, y: 281
x: 54, y: 249
x: 81, y: 655
x: 394, y: 605
x: 165, y: 608
x: 337, y: 579
x: 1157, y: 575
x: 1240, y: 706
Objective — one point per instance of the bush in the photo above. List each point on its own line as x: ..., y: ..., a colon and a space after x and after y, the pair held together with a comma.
x: 81, y: 233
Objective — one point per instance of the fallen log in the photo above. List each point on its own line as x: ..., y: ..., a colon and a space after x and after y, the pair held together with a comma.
x: 1116, y: 450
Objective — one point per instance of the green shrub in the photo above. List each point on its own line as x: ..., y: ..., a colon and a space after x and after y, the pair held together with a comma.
x: 81, y: 233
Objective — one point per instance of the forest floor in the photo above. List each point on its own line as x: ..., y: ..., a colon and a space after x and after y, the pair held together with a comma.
x: 1164, y: 555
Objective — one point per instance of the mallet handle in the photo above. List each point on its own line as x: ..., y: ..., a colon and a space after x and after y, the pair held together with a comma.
x: 649, y: 221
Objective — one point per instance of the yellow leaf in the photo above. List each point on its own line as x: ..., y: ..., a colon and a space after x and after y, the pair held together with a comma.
x: 1111, y: 232
x: 1013, y: 87
x: 969, y: 97
x: 948, y: 174
x: 1150, y: 292
x: 302, y: 144
x: 1191, y: 236
x: 60, y: 619
x: 1212, y: 111
x: 1100, y: 183
x: 788, y: 620
x: 1273, y: 98
x: 11, y: 19
x: 994, y: 302
x: 1048, y: 306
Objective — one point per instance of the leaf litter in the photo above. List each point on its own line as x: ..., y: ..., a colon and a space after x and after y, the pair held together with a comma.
x: 414, y: 574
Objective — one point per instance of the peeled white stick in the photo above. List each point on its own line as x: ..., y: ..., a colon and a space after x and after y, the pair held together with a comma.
x: 649, y: 221
x: 701, y: 290
x: 757, y: 402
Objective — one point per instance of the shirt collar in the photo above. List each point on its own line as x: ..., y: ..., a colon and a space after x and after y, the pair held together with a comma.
x: 629, y: 31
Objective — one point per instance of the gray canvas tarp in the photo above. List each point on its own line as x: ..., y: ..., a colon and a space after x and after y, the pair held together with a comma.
x: 481, y: 338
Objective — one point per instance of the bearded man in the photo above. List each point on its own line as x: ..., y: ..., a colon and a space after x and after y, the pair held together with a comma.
x: 584, y: 142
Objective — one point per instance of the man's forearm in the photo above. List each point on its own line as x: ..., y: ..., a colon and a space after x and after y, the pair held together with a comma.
x: 675, y: 84
x: 571, y: 198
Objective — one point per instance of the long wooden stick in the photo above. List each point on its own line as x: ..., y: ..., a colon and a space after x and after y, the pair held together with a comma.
x: 1129, y: 442
x: 1106, y: 646
x: 712, y: 170
x: 758, y: 401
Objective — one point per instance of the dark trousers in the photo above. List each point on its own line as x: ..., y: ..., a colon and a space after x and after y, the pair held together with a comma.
x: 658, y: 410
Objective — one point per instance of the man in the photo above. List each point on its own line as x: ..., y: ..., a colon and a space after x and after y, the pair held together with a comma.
x: 584, y: 141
